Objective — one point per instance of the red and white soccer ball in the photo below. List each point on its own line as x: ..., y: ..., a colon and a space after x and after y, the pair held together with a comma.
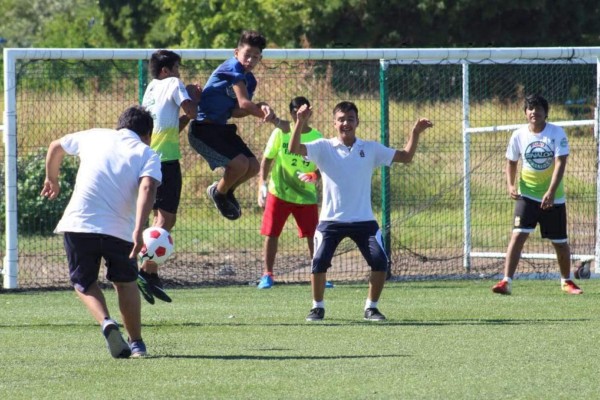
x: 158, y: 245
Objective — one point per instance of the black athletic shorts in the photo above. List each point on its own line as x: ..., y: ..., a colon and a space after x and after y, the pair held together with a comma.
x: 168, y: 193
x: 366, y: 235
x: 218, y: 144
x: 553, y: 222
x: 85, y: 251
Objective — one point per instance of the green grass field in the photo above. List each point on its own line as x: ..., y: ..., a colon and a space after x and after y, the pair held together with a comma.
x: 442, y: 340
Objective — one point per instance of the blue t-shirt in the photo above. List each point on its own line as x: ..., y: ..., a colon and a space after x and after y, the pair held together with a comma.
x: 218, y: 97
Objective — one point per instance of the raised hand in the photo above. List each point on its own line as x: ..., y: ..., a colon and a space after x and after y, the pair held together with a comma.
x: 421, y: 125
x: 304, y: 113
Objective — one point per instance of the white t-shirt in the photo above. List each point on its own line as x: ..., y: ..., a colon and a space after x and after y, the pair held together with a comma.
x: 346, y: 176
x: 105, y: 194
x: 538, y: 152
x: 162, y: 99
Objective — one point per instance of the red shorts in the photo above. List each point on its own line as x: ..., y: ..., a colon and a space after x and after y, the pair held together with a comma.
x: 277, y: 212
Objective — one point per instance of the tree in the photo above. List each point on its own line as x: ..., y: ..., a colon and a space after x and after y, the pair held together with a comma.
x: 218, y: 24
x: 454, y: 23
x: 128, y: 22
x: 52, y: 23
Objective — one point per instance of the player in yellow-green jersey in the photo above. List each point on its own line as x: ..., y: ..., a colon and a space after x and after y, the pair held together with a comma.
x: 543, y: 149
x: 290, y: 190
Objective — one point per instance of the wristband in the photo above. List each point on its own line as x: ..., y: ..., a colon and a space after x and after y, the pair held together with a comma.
x: 313, y: 176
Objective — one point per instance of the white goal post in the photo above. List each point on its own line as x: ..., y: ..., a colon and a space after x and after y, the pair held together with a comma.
x: 462, y: 56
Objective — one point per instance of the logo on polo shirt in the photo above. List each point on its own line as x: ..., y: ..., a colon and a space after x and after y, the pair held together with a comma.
x: 362, y: 153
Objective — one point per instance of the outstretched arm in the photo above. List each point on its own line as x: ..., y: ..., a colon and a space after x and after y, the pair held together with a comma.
x: 54, y: 158
x: 406, y: 155
x: 247, y: 107
x: 145, y: 202
x: 295, y: 146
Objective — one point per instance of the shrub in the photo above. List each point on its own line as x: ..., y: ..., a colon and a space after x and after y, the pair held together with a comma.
x: 36, y: 214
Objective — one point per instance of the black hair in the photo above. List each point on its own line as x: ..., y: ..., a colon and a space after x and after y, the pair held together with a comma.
x: 253, y: 39
x: 161, y: 59
x: 297, y: 102
x: 534, y: 100
x: 137, y: 119
x: 345, y: 107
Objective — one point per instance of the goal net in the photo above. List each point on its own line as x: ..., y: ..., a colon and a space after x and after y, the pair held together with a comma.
x: 445, y: 215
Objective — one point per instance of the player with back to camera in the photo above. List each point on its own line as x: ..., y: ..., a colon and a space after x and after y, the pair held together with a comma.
x: 539, y: 194
x: 164, y: 97
x: 291, y: 190
x: 228, y: 93
x: 346, y: 164
x: 112, y: 200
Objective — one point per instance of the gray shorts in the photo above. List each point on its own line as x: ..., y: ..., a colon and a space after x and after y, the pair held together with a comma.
x: 218, y: 144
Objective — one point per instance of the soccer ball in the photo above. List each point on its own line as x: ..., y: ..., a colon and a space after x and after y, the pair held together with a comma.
x: 158, y: 245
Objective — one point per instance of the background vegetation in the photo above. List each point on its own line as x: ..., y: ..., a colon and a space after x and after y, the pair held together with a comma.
x: 295, y: 23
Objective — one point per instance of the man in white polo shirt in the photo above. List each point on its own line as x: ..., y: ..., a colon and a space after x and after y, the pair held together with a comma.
x: 113, y: 197
x: 346, y: 164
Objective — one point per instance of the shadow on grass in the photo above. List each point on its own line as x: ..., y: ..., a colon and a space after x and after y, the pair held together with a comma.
x: 388, y: 323
x: 339, y: 323
x: 282, y: 358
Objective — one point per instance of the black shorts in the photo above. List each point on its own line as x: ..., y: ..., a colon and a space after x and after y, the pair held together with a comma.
x: 85, y: 251
x: 366, y: 235
x: 553, y: 222
x: 218, y: 144
x: 168, y: 193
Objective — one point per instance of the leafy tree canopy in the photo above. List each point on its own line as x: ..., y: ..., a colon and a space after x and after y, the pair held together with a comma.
x: 295, y: 23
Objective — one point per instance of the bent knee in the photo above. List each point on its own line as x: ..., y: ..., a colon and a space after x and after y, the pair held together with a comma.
x: 253, y: 166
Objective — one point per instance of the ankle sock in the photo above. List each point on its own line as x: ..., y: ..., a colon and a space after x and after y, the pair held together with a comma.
x: 371, y: 304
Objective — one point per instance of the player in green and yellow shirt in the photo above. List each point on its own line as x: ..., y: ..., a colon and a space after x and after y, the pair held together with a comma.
x: 163, y: 98
x: 291, y: 189
x: 543, y: 149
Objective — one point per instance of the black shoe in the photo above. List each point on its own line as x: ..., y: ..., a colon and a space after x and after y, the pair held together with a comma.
x: 144, y: 287
x: 316, y: 314
x: 373, y: 314
x: 225, y: 207
x: 234, y: 201
x: 155, y: 285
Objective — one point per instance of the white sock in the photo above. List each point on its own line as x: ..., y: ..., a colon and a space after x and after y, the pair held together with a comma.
x: 371, y: 304
x: 318, y: 304
x: 507, y: 279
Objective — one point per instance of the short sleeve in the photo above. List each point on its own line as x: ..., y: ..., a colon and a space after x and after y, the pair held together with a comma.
x: 152, y: 166
x: 383, y: 155
x: 70, y: 144
x: 513, y: 152
x: 562, y: 144
x: 273, y: 144
x: 179, y: 92
x: 231, y: 72
x: 313, y: 150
